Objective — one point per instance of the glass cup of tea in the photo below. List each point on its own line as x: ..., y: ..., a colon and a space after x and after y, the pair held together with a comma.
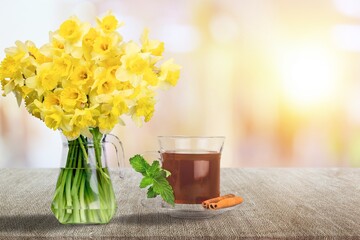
x: 194, y: 164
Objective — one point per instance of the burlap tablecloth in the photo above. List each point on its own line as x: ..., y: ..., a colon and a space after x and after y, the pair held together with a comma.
x: 278, y: 203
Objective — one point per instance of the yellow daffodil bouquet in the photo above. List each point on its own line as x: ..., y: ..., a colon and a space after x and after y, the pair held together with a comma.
x: 82, y: 83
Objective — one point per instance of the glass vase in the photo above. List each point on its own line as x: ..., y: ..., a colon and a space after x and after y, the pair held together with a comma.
x: 84, y: 192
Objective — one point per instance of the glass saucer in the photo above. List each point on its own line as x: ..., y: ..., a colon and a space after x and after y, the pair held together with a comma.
x: 194, y: 211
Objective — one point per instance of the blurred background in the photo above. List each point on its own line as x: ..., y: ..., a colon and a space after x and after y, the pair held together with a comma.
x: 279, y: 78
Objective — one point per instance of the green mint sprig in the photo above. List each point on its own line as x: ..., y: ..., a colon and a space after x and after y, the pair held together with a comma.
x: 155, y: 177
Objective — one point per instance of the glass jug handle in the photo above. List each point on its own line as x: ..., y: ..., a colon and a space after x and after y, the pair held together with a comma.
x: 120, y: 155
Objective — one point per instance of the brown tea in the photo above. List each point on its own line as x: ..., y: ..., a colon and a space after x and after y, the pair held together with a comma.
x: 195, y: 177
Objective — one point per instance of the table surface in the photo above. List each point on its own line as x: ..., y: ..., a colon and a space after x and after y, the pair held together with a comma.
x: 278, y: 203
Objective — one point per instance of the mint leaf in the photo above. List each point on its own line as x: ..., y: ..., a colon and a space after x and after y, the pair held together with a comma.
x: 154, y: 177
x: 154, y: 168
x: 151, y: 193
x: 146, y: 181
x: 159, y: 174
x: 139, y: 164
x: 162, y: 187
x: 167, y: 173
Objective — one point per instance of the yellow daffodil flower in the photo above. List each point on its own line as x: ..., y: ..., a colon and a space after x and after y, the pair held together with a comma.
x: 71, y: 98
x: 87, y: 77
x: 53, y: 117
x: 72, y: 134
x: 109, y: 23
x: 169, y: 72
x: 83, y: 118
x: 82, y: 77
x: 155, y: 47
x: 70, y: 29
x: 52, y: 99
x: 151, y: 77
x: 47, y: 77
x: 145, y: 108
x: 103, y: 45
x: 63, y: 65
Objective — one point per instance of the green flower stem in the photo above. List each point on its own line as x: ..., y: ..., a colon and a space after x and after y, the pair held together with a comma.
x: 97, y: 147
x: 75, y: 199
x: 82, y: 197
x: 84, y: 151
x: 68, y: 192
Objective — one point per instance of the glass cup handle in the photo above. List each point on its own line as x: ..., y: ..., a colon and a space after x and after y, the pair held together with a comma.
x: 120, y: 155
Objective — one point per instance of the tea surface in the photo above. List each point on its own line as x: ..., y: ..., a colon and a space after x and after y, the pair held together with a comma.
x: 195, y: 177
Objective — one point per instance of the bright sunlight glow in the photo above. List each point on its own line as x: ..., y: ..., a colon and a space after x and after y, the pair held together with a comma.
x: 308, y: 75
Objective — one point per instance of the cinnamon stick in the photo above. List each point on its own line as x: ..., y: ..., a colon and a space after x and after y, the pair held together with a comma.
x: 206, y: 203
x: 227, y: 202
